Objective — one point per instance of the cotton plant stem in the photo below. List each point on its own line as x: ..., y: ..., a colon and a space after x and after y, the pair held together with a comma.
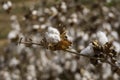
x: 73, y: 52
x: 106, y: 61
x: 76, y: 53
x: 112, y: 64
x: 30, y: 43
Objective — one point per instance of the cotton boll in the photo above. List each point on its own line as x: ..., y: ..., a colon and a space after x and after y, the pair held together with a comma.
x: 106, y: 71
x: 75, y: 20
x: 117, y: 46
x: 107, y: 26
x: 13, y: 34
x: 77, y: 76
x: 111, y: 15
x: 47, y: 10
x: 9, y: 3
x: 34, y: 12
x: 108, y: 1
x: 73, y: 65
x: 102, y: 38
x: 86, y: 11
x: 31, y: 69
x: 88, y: 50
x: 74, y: 15
x: 85, y: 37
x: 13, y: 18
x: 54, y: 11
x: 14, y: 62
x: 52, y: 38
x: 52, y: 30
x: 36, y: 26
x: 115, y: 35
x: 20, y: 48
x: 57, y: 68
x: 15, y: 24
x: 5, y: 75
x: 5, y: 6
x: 62, y: 18
x: 52, y: 35
x: 64, y: 7
x: 67, y: 65
x: 105, y: 9
x: 116, y: 76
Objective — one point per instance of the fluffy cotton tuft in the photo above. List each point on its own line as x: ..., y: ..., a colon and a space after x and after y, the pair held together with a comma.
x: 52, y: 35
x: 52, y: 30
x: 13, y: 34
x: 117, y: 46
x: 5, y: 6
x: 88, y: 50
x: 52, y: 38
x: 34, y: 12
x: 9, y: 3
x: 102, y: 38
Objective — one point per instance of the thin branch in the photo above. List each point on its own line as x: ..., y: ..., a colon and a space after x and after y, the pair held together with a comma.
x: 84, y: 55
x: 30, y: 43
x: 76, y: 53
x: 106, y: 61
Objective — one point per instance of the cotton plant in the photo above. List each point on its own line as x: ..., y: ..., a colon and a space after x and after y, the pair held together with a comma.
x: 7, y: 5
x: 52, y: 39
x: 102, y: 50
x: 102, y: 39
x: 99, y: 50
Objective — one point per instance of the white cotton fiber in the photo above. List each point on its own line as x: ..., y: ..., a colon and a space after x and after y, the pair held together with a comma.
x: 88, y: 50
x: 102, y: 38
x: 52, y: 35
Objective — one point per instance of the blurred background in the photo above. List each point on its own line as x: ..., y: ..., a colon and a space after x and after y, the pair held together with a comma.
x: 80, y: 18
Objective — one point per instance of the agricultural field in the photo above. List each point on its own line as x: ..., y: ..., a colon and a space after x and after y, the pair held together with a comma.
x: 59, y: 39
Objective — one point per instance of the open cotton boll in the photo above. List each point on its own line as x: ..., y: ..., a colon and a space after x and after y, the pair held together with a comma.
x: 117, y: 46
x: 34, y: 12
x: 63, y: 6
x: 14, y: 62
x: 5, y: 6
x: 9, y: 3
x: 88, y: 50
x: 102, y: 38
x: 36, y: 26
x: 115, y: 35
x: 54, y: 10
x: 15, y: 24
x: 52, y: 38
x: 52, y: 30
x: 13, y: 34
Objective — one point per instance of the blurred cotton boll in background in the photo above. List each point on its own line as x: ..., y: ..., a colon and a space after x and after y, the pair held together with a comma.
x: 15, y: 24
